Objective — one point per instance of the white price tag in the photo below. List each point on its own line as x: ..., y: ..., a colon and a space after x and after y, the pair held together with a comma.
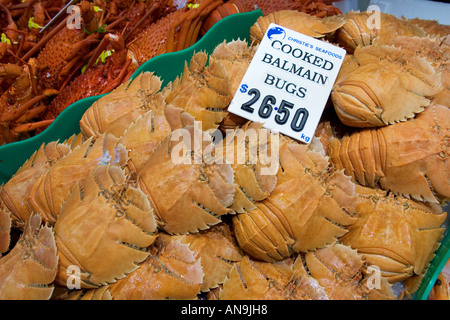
x: 288, y: 82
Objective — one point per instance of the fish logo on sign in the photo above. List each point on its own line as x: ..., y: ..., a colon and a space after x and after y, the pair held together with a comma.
x: 276, y: 33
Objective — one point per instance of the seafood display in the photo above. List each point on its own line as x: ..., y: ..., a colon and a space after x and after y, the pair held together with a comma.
x: 164, y: 194
x: 422, y: 175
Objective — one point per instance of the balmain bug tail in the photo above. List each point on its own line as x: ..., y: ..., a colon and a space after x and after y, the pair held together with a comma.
x: 408, y: 158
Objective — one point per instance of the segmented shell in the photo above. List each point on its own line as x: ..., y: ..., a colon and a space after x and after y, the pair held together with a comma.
x: 235, y: 56
x: 147, y: 132
x: 394, y: 233
x: 171, y: 271
x: 400, y: 85
x: 14, y: 193
x: 432, y: 27
x: 27, y: 272
x: 298, y: 21
x: 310, y: 206
x: 103, y: 229
x: 211, y: 85
x: 52, y: 187
x: 115, y: 112
x: 284, y: 280
x: 252, y: 152
x: 339, y: 270
x: 217, y: 252
x: 437, y: 50
x: 408, y: 158
x: 187, y: 193
x: 366, y: 28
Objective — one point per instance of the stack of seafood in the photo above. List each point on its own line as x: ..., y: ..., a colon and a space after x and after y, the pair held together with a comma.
x: 152, y: 200
x: 441, y: 287
x: 49, y: 61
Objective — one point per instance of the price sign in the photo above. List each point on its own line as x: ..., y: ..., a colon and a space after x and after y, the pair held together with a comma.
x: 288, y: 82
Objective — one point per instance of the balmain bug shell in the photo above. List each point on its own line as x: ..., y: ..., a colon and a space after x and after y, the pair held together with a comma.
x: 186, y: 193
x: 366, y: 28
x: 217, y: 251
x: 310, y: 207
x: 437, y: 49
x: 394, y: 233
x: 340, y: 271
x: 147, y: 132
x: 400, y: 85
x: 115, y: 112
x: 52, y: 187
x: 235, y: 56
x: 28, y: 271
x: 211, y: 83
x: 252, y: 152
x: 103, y: 229
x: 171, y: 271
x: 408, y: 158
x: 13, y: 194
x: 334, y: 272
x: 432, y: 27
x: 298, y: 21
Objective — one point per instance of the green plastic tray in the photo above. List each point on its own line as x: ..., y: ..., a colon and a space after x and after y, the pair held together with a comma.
x: 168, y: 66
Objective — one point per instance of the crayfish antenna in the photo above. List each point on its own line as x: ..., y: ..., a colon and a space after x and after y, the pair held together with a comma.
x: 27, y: 127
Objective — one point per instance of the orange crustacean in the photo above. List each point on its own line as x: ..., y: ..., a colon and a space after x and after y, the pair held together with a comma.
x: 187, y: 195
x: 438, y: 51
x: 396, y: 234
x: 310, y: 217
x: 171, y: 271
x: 14, y: 193
x: 111, y: 114
x: 103, y: 228
x: 408, y: 158
x: 361, y: 101
x: 63, y: 175
x: 309, y: 25
x: 217, y: 251
x: 331, y: 273
x: 441, y: 288
x: 361, y: 29
x: 182, y: 266
x: 213, y: 91
x: 29, y: 270
x: 287, y: 279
